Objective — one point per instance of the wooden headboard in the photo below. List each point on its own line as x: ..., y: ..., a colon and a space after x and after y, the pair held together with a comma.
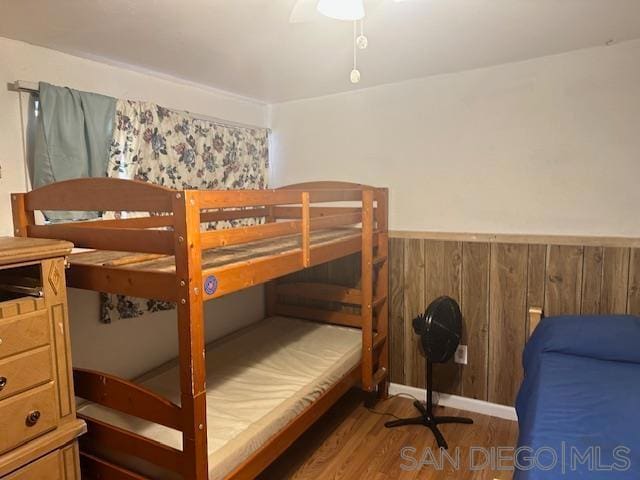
x: 535, y: 315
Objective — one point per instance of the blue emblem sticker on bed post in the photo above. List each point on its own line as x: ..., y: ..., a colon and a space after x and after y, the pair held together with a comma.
x: 210, y: 285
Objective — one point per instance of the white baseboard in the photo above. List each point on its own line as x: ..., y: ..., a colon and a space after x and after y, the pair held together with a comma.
x: 455, y: 401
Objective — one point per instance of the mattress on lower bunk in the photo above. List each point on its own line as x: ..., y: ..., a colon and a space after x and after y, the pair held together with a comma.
x: 258, y: 380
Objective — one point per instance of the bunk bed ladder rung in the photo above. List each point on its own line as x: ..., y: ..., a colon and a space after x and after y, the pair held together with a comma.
x: 379, y: 302
x: 378, y: 339
x: 380, y: 375
x: 379, y: 260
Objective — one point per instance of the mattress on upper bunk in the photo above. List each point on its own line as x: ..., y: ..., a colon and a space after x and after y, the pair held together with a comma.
x: 258, y: 380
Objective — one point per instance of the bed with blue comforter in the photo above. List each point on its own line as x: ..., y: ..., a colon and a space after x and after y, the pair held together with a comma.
x: 579, y: 404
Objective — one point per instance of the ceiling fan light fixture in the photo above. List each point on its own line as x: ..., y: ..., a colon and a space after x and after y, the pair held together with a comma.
x: 342, y: 9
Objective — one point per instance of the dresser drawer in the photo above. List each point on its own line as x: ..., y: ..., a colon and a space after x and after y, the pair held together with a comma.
x: 20, y: 306
x: 48, y: 467
x: 22, y: 332
x: 27, y: 415
x: 24, y: 371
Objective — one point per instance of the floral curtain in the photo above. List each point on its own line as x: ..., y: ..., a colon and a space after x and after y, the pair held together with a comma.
x: 171, y: 148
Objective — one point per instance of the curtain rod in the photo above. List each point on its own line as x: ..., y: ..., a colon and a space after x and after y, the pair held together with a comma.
x: 33, y: 88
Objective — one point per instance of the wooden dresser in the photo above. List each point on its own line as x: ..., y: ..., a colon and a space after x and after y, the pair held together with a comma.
x: 38, y: 424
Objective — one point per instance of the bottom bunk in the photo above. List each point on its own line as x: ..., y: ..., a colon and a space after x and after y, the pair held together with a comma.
x: 259, y: 381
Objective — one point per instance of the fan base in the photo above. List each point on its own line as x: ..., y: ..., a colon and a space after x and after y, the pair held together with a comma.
x: 430, y: 421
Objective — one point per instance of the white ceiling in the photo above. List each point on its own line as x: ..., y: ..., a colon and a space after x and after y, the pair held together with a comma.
x: 248, y: 47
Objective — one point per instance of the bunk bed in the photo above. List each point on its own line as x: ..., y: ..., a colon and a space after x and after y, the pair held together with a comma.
x: 264, y: 385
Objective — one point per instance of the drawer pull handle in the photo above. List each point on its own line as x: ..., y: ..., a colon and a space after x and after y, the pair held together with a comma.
x: 3, y: 382
x: 33, y: 418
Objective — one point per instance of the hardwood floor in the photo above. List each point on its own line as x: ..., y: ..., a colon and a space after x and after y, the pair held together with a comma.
x: 350, y: 442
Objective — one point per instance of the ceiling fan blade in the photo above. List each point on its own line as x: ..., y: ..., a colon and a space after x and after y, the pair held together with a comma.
x: 304, y: 11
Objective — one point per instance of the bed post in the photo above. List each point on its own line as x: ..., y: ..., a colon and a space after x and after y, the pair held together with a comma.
x: 22, y: 217
x: 270, y: 293
x: 382, y: 288
x: 306, y: 230
x: 535, y: 315
x: 366, y: 286
x: 186, y: 212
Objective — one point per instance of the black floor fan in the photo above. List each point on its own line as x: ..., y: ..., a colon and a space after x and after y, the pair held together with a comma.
x: 440, y: 330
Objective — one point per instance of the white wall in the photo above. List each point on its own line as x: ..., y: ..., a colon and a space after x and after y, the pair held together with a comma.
x: 550, y: 145
x: 127, y: 347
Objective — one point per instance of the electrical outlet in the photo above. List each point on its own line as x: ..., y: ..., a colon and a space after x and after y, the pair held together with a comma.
x: 461, y: 355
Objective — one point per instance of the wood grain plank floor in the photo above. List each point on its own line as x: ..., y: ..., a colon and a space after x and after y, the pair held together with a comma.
x: 350, y: 442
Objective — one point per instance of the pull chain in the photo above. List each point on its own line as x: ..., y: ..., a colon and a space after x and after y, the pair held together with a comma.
x: 355, y: 73
x: 362, y: 40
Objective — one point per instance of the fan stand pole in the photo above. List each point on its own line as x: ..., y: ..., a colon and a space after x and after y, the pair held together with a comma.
x: 427, y: 418
x: 429, y: 382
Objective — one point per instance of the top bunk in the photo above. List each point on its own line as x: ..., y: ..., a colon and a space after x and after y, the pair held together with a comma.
x: 164, y: 238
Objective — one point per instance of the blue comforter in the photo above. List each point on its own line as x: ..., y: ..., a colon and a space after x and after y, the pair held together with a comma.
x: 578, y: 405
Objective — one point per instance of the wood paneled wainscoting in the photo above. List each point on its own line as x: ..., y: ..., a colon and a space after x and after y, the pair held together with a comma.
x: 495, y: 278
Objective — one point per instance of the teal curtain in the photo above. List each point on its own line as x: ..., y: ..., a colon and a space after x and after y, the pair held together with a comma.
x: 73, y: 138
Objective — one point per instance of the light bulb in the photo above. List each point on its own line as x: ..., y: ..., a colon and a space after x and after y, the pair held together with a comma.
x: 341, y: 9
x: 355, y: 76
x: 362, y: 42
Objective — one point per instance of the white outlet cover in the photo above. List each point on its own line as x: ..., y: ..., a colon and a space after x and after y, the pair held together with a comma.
x: 461, y: 355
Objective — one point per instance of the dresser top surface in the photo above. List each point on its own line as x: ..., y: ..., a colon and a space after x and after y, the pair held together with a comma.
x: 18, y: 249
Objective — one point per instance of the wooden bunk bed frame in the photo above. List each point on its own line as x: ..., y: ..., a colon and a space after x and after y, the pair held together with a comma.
x: 174, y: 229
